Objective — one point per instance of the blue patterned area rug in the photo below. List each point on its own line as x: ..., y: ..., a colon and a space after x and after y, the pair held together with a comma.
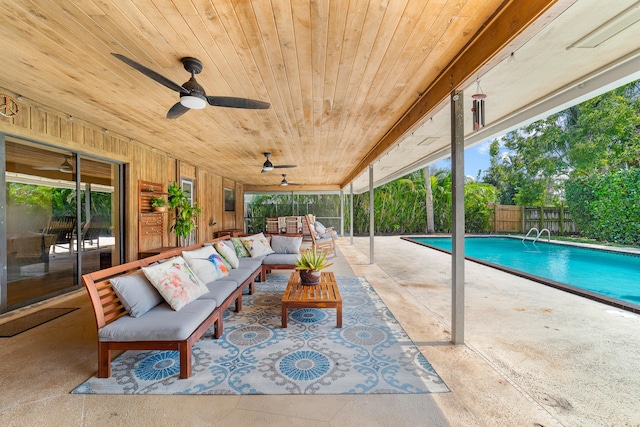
x: 371, y: 353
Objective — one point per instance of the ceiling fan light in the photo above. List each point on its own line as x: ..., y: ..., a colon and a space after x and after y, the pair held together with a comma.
x: 193, y: 102
x: 66, y: 166
x: 284, y: 182
x: 267, y: 166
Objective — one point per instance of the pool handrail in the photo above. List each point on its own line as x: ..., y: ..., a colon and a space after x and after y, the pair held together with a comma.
x: 529, y: 232
x: 540, y: 233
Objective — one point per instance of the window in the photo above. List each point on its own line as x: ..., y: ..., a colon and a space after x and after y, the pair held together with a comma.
x: 229, y: 200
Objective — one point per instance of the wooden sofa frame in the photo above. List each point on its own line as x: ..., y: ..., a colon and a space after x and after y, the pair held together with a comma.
x: 107, y: 308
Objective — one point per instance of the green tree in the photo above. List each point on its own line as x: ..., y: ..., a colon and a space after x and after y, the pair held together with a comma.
x: 596, y: 136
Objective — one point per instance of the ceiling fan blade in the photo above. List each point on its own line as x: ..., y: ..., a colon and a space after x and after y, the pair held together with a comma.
x: 284, y: 166
x: 47, y: 168
x: 151, y: 74
x: 176, y: 111
x: 229, y: 101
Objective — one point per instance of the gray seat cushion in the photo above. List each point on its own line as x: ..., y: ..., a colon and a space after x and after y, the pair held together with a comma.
x: 274, y: 259
x: 251, y: 263
x: 161, y: 323
x: 219, y: 290
x: 239, y: 275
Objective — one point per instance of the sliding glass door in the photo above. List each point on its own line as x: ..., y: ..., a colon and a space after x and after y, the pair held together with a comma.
x: 59, y: 224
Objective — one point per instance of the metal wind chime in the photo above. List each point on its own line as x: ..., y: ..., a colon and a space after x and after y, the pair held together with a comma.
x: 478, y: 108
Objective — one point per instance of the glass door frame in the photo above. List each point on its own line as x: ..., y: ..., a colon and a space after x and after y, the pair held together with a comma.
x: 120, y: 171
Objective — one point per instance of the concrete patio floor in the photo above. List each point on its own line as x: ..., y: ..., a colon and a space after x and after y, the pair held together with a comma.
x: 534, y: 356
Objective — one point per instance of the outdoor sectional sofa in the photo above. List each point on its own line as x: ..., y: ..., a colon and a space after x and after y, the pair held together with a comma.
x: 131, y: 316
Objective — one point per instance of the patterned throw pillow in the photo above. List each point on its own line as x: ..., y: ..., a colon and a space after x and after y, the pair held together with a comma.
x: 257, y: 245
x: 241, y: 251
x: 175, y: 281
x: 227, y: 253
x: 206, y: 264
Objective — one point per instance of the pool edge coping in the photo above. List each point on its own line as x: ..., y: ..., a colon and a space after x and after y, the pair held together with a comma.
x: 634, y: 308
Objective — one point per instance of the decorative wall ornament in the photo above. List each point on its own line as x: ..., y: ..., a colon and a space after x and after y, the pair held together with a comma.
x: 478, y: 108
x: 9, y: 107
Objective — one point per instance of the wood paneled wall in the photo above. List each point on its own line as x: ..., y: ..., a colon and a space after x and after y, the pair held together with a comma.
x: 144, y: 162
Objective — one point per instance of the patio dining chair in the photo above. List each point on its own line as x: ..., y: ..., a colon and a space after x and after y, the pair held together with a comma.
x: 292, y: 225
x: 318, y: 242
x: 272, y: 225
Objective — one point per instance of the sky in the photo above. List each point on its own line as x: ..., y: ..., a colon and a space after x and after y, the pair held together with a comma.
x: 475, y: 158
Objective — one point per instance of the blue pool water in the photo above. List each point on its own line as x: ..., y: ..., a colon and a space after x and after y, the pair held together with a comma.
x: 606, y: 273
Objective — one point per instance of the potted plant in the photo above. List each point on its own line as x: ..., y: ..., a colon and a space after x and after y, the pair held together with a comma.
x: 186, y: 215
x: 309, y: 265
x: 158, y: 203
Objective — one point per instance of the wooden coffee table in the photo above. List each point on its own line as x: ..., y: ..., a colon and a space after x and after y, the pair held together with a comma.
x: 323, y: 295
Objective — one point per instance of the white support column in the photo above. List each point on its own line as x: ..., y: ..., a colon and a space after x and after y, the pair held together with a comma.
x: 341, y: 213
x: 371, y: 211
x: 351, y: 213
x: 457, y: 197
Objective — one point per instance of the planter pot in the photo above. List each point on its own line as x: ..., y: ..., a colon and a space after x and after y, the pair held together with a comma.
x: 309, y: 277
x: 159, y: 208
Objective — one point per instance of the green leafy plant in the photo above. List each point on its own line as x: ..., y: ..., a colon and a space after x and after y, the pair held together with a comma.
x: 312, y: 260
x: 186, y: 214
x: 157, y: 202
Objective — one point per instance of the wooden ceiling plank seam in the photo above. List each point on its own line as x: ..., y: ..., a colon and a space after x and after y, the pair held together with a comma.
x: 402, y: 56
x: 355, y: 22
x: 212, y: 76
x: 384, y: 44
x: 342, y: 143
x: 244, y: 47
x: 228, y: 53
x: 283, y: 19
x: 337, y: 26
x: 505, y: 26
x: 138, y: 82
x: 225, y: 42
x: 389, y: 97
x: 319, y: 29
x: 302, y: 27
x: 413, y: 86
x: 358, y: 16
x: 163, y: 51
x: 220, y: 61
x: 83, y: 91
x: 267, y: 27
x: 374, y: 24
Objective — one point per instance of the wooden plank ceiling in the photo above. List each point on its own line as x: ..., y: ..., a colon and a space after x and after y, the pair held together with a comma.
x: 338, y: 74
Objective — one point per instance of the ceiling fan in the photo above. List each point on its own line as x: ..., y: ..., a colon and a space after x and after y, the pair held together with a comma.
x: 268, y: 166
x: 192, y: 95
x: 64, y: 167
x: 284, y: 181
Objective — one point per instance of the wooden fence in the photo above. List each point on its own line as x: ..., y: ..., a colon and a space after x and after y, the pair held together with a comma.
x: 520, y: 219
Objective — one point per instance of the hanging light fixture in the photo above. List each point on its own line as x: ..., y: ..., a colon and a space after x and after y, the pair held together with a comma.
x: 284, y: 182
x: 478, y: 107
x: 267, y: 166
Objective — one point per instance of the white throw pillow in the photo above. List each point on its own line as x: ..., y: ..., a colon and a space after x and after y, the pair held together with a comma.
x: 227, y: 253
x: 206, y: 263
x: 175, y: 281
x: 257, y: 245
x: 320, y: 229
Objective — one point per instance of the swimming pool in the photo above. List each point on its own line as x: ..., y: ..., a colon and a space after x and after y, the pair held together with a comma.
x: 606, y: 276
